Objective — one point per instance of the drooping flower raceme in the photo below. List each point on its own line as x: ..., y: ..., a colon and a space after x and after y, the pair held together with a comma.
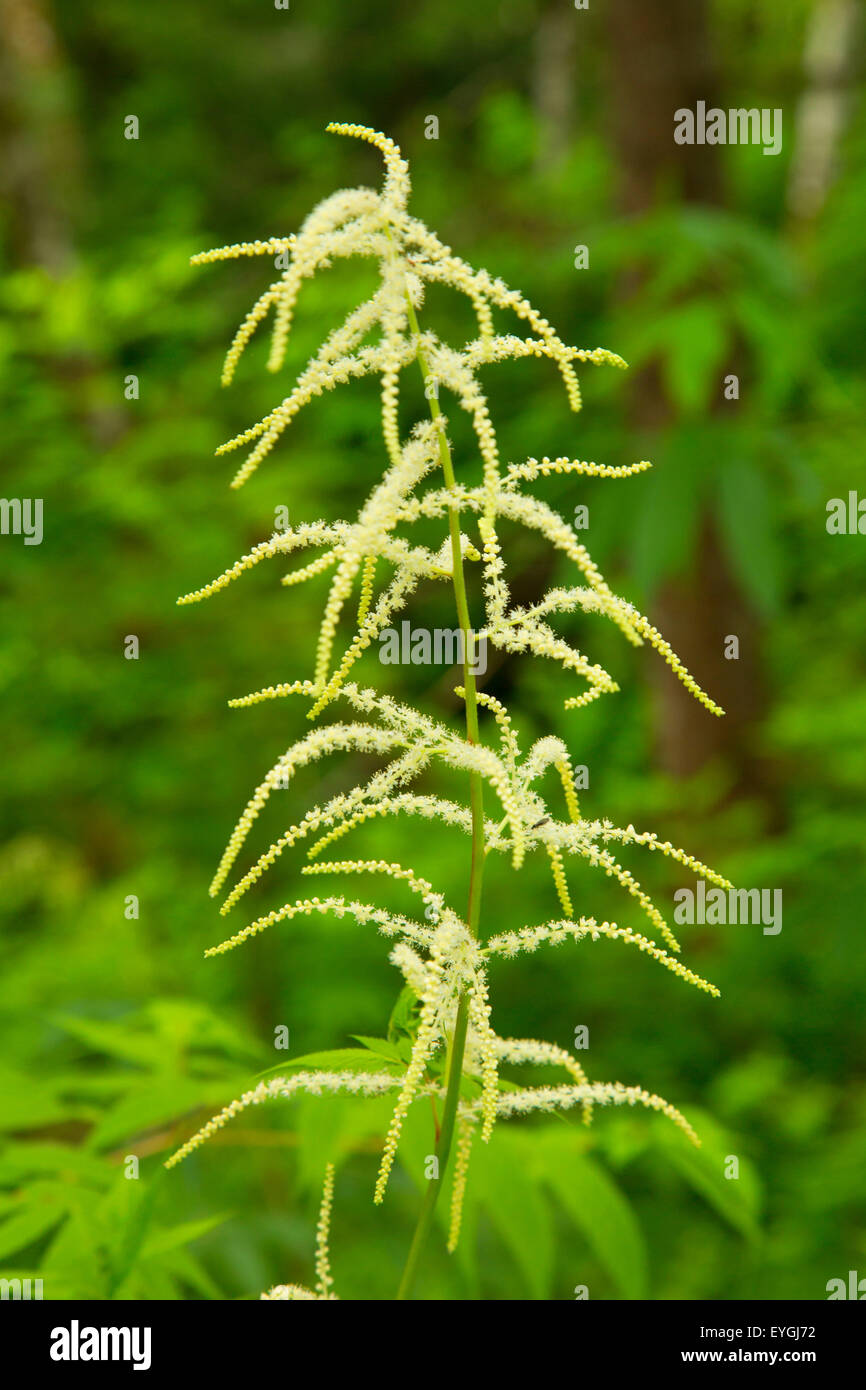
x: 324, y: 1290
x: 376, y: 566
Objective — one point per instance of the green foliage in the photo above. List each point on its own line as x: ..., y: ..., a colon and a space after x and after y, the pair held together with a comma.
x: 110, y: 778
x: 95, y: 1224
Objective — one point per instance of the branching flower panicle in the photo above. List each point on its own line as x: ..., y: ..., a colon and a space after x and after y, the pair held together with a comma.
x: 376, y: 566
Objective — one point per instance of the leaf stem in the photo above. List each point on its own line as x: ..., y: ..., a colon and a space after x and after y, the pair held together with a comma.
x: 457, y: 1045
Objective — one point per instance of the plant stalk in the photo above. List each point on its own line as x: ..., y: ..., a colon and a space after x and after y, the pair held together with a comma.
x: 476, y: 796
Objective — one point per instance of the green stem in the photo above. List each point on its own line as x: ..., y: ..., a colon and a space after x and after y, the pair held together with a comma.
x: 446, y: 1133
x: 457, y: 1046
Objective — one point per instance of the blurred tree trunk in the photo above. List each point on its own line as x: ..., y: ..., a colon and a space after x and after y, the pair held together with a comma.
x: 553, y: 82
x: 39, y: 171
x: 831, y: 41
x: 661, y: 59
x: 41, y: 178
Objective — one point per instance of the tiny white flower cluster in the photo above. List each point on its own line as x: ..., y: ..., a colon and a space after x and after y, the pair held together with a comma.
x: 314, y: 1082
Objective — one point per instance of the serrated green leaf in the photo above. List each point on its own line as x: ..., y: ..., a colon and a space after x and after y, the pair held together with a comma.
x: 737, y: 1200
x: 139, y: 1199
x: 115, y: 1040
x: 184, y: 1268
x: 380, y: 1047
x: 329, y: 1126
x: 156, y: 1101
x: 28, y: 1225
x: 516, y: 1206
x: 404, y: 1016
x: 29, y: 1102
x: 598, y: 1209
x: 176, y: 1237
x: 20, y: 1161
x: 338, y: 1059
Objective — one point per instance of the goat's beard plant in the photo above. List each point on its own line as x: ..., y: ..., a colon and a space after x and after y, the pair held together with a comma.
x: 456, y: 1055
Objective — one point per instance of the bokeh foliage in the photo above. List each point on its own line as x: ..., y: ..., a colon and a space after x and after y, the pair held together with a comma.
x: 124, y: 777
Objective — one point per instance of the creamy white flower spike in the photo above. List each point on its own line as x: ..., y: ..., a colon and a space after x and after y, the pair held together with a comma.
x: 376, y: 567
x: 324, y: 1290
x: 363, y: 222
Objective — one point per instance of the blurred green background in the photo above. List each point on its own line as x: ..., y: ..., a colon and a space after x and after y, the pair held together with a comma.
x: 124, y: 777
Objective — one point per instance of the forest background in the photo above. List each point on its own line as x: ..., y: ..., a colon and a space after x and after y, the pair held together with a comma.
x: 122, y: 777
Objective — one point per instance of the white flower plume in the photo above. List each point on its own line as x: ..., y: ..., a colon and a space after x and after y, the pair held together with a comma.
x: 375, y: 567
